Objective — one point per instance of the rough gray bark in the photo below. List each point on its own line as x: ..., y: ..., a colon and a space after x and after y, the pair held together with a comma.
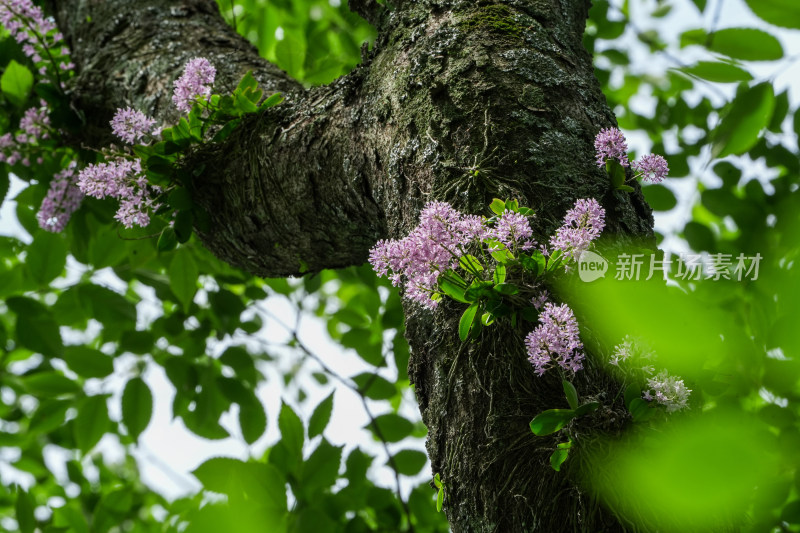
x: 460, y: 101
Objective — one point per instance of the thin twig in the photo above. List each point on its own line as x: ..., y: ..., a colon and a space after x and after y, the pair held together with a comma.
x: 353, y: 387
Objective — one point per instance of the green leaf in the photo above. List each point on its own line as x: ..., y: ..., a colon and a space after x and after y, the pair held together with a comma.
x: 113, y: 310
x: 437, y: 481
x: 137, y: 406
x: 374, y: 386
x: 499, y: 275
x: 616, y: 172
x: 180, y: 199
x: 320, y: 417
x: 557, y: 458
x: 477, y: 290
x: 440, y: 499
x: 470, y: 264
x: 506, y: 289
x: 247, y: 82
x: 498, y: 206
x: 244, y: 104
x: 551, y: 421
x: 749, y: 44
x: 453, y: 286
x: 718, y: 72
x: 408, y: 462
x: 290, y: 53
x: 252, y: 418
x: 36, y: 329
x: 240, y: 360
x: 783, y: 13
x: 467, y: 321
x: 586, y: 408
x: 632, y: 392
x: 391, y: 427
x: 50, y: 384
x: 221, y: 474
x: 659, y: 197
x: 139, y: 342
x: 16, y: 83
x: 88, y: 362
x: 226, y: 130
x: 47, y: 256
x: 749, y: 113
x: 167, y: 240
x: 24, y: 511
x: 640, y: 410
x: 91, y: 423
x: 292, y: 433
x: 571, y: 393
x: 321, y: 469
x: 272, y: 101
x: 183, y: 275
x: 693, y: 37
x: 502, y: 256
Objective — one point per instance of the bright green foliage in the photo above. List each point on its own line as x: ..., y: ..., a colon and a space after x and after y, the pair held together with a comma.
x: 314, y: 41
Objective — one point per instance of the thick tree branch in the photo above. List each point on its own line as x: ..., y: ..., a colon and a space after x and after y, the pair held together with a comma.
x: 459, y: 101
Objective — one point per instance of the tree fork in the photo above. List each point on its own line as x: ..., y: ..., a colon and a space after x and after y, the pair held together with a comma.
x: 460, y: 101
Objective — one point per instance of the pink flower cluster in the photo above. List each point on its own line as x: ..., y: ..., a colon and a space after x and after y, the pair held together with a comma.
x: 36, y: 33
x: 582, y: 225
x: 430, y: 249
x: 198, y: 76
x: 651, y: 167
x: 124, y: 180
x: 610, y: 144
x: 667, y: 390
x: 513, y: 229
x: 555, y: 340
x: 34, y: 125
x: 63, y: 198
x: 132, y: 125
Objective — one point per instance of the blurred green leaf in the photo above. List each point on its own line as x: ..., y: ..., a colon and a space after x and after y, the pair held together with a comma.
x: 408, y: 462
x: 784, y: 13
x: 137, y: 406
x: 16, y: 83
x: 749, y: 113
x: 746, y: 43
x: 92, y: 422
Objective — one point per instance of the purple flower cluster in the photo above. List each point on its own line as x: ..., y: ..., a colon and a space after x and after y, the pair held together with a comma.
x: 122, y: 179
x: 20, y: 147
x: 555, y: 340
x: 667, y: 390
x: 582, y: 225
x: 430, y: 249
x: 36, y: 33
x: 610, y: 144
x: 198, y: 76
x: 35, y: 122
x: 540, y: 299
x: 651, y: 167
x: 62, y: 199
x: 132, y: 125
x: 513, y: 229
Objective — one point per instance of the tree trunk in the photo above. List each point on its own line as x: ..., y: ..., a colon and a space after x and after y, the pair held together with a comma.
x: 460, y: 101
